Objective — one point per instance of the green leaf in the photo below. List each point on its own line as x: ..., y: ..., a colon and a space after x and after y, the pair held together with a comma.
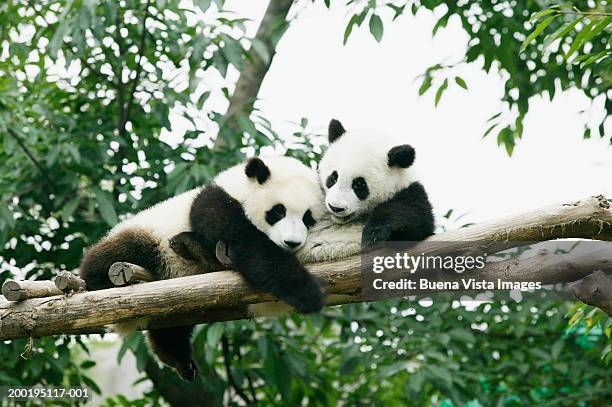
x: 506, y: 137
x: 349, y: 28
x: 130, y: 342
x: 425, y: 85
x: 536, y: 16
x: 538, y: 30
x: 203, y: 4
x: 579, y: 40
x: 7, y: 215
x: 69, y: 209
x: 327, y: 3
x: 495, y: 116
x: 88, y: 364
x: 376, y: 27
x: 440, y: 91
x: 213, y: 335
x: 105, y: 206
x: 489, y: 130
x: 561, y: 32
x: 202, y: 99
x: 461, y: 82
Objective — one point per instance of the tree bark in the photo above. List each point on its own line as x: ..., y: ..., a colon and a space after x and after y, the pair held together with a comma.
x: 254, y: 70
x: 595, y: 290
x: 225, y: 295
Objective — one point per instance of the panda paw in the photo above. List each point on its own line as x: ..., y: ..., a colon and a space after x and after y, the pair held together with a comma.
x: 373, y: 233
x: 184, y: 245
x: 309, y: 298
x: 188, y: 371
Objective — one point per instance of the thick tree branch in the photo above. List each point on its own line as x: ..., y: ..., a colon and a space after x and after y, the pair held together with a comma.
x: 595, y: 290
x: 255, y: 69
x: 225, y: 295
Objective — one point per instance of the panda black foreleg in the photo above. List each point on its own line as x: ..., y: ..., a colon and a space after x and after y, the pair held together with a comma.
x: 407, y: 216
x: 173, y: 347
x: 269, y: 268
x: 263, y: 264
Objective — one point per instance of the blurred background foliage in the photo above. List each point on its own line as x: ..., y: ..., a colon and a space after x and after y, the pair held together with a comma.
x: 86, y: 91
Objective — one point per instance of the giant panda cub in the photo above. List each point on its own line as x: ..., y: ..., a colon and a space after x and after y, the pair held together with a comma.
x: 262, y: 209
x: 367, y: 177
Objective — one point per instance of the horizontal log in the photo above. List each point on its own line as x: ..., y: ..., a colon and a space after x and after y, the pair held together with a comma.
x: 122, y: 273
x: 22, y: 290
x: 225, y: 295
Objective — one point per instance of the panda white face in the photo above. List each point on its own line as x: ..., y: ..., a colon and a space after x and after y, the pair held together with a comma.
x: 282, y: 198
x: 361, y: 170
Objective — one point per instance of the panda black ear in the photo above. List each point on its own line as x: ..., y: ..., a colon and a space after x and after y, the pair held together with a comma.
x: 335, y: 130
x: 401, y: 156
x: 256, y: 168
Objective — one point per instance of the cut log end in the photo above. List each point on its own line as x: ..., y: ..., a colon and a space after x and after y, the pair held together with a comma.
x: 22, y: 290
x: 69, y: 282
x: 12, y: 291
x: 122, y: 273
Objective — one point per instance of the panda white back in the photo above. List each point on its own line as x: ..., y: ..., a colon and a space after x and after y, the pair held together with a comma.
x: 164, y: 219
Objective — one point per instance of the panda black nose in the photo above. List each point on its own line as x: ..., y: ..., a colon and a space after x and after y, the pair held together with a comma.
x: 336, y: 209
x: 291, y: 244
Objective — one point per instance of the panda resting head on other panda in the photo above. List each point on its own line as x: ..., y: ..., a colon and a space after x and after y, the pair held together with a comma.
x: 262, y: 209
x: 368, y: 176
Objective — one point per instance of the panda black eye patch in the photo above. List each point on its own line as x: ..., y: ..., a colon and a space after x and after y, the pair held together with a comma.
x: 308, y: 219
x: 360, y: 186
x: 276, y: 213
x: 332, y: 179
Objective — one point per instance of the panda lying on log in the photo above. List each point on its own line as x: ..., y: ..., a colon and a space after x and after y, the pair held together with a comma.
x: 262, y: 209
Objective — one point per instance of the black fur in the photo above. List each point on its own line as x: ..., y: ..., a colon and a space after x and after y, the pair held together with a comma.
x: 256, y: 168
x: 132, y: 246
x: 216, y: 216
x: 308, y: 220
x: 191, y: 247
x: 173, y: 347
x: 276, y: 213
x: 335, y: 130
x: 401, y: 156
x: 332, y: 179
x: 407, y: 216
x: 360, y: 187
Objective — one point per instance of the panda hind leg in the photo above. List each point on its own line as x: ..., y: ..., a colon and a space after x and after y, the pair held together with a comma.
x: 190, y: 246
x: 172, y: 346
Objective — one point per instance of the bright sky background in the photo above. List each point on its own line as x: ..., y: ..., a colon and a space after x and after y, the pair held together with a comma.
x: 369, y: 85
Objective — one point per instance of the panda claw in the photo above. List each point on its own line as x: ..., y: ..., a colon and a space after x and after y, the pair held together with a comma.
x: 188, y: 372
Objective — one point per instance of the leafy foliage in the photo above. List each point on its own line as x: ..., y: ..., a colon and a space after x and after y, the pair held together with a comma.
x: 509, y: 35
x: 89, y: 90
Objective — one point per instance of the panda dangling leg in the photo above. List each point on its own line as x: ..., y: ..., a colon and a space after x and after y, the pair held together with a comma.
x: 171, y: 345
x: 173, y: 348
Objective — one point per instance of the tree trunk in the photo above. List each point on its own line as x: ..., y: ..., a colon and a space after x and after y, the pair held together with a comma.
x: 254, y: 70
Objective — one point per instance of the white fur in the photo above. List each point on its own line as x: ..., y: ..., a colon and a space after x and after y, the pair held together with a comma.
x: 362, y: 154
